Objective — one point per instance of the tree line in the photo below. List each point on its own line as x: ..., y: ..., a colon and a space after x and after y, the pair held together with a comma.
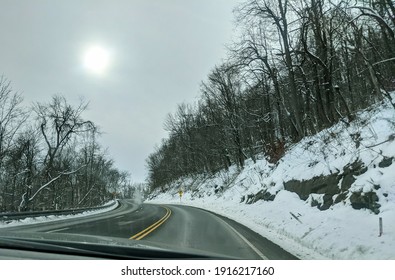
x: 298, y: 66
x: 50, y: 157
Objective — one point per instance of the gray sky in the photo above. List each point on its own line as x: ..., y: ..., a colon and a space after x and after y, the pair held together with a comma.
x: 159, y: 52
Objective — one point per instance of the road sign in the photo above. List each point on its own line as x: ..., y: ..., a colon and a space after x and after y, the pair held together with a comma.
x: 180, y: 193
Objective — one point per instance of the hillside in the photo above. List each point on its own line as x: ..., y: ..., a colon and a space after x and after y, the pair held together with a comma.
x: 322, y: 200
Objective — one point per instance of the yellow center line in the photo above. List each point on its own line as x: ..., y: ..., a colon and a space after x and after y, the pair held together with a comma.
x: 152, y: 227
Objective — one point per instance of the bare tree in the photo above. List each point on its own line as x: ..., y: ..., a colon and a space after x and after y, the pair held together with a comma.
x: 267, y: 14
x: 12, y: 117
x: 224, y: 89
x: 58, y: 122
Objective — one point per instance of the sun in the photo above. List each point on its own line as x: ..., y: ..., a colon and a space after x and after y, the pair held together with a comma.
x: 96, y: 59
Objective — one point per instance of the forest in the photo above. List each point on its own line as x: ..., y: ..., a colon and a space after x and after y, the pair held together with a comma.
x: 50, y: 157
x: 296, y: 68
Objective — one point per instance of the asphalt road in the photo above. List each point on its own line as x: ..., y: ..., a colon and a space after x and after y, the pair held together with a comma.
x: 173, y: 225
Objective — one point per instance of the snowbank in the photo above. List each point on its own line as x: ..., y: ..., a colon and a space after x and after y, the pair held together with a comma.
x: 340, y: 232
x: 44, y: 219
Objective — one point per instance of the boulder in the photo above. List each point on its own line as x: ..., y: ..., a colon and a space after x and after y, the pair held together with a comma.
x: 368, y: 200
x: 320, y: 185
x: 329, y: 186
x: 387, y: 161
x: 261, y: 195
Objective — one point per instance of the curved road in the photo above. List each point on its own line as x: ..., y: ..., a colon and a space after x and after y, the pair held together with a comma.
x: 173, y: 225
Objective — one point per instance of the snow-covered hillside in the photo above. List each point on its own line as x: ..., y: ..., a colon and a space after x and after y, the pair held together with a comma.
x: 341, y: 231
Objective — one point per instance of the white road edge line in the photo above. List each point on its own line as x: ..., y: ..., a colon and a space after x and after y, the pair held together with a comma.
x: 256, y: 250
x: 55, y: 230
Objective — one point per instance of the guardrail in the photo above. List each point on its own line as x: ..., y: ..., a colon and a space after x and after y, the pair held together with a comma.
x: 22, y: 215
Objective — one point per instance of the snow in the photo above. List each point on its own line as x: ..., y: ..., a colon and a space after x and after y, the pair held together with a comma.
x: 340, y: 232
x: 37, y: 220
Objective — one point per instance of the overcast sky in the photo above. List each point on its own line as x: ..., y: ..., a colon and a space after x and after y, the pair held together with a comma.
x: 157, y: 52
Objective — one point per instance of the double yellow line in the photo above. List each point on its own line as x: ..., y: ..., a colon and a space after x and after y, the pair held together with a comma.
x: 152, y: 227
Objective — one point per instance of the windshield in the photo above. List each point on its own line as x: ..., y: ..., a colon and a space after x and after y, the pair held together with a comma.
x: 241, y: 129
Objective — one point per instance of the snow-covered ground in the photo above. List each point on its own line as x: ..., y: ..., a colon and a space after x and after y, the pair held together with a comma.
x: 340, y: 232
x: 36, y: 220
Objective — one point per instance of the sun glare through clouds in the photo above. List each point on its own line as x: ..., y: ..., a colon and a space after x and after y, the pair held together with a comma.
x: 96, y: 59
